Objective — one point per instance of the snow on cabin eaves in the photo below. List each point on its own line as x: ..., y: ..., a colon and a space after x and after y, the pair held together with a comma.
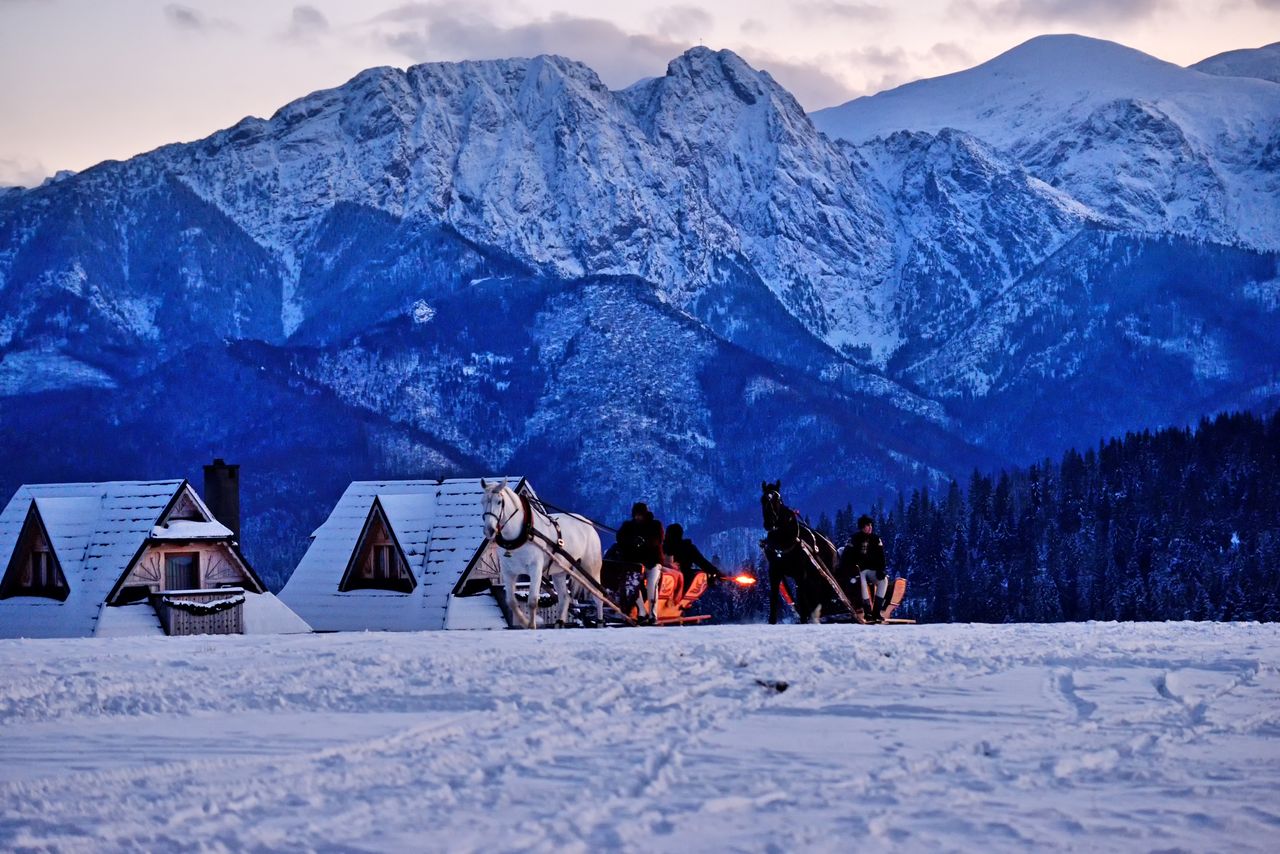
x: 439, y: 527
x: 95, y: 529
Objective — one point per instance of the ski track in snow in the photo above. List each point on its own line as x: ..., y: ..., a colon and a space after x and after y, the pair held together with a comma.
x: 1089, y: 736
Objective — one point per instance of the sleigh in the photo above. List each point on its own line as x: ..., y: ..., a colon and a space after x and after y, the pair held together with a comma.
x: 834, y: 609
x: 625, y: 582
x: 845, y: 605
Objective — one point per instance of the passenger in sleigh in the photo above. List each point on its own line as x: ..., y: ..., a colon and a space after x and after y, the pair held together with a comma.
x: 862, y: 564
x: 640, y: 541
x: 697, y: 572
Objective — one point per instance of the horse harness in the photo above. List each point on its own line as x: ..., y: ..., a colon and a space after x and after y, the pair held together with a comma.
x: 527, y: 530
x: 555, y: 548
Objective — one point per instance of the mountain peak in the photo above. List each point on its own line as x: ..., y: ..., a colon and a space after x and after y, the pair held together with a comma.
x: 1062, y: 54
x: 709, y: 69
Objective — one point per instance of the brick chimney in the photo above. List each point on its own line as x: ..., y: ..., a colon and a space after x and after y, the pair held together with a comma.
x: 222, y: 493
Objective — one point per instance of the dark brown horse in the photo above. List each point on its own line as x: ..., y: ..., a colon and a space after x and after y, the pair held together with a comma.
x: 793, y: 550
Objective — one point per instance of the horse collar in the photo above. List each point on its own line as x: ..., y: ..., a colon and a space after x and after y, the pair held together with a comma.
x: 526, y: 528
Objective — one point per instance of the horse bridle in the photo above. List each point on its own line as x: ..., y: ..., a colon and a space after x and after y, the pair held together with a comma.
x: 774, y: 499
x: 526, y: 529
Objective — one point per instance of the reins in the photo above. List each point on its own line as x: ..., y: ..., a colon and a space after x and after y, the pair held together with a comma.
x: 547, y: 505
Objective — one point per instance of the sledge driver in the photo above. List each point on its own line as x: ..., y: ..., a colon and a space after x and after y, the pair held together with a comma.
x: 863, y: 559
x: 640, y: 540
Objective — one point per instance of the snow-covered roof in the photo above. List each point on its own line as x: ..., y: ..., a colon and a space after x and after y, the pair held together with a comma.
x: 95, y: 529
x: 474, y: 612
x: 439, y: 526
x: 185, y: 529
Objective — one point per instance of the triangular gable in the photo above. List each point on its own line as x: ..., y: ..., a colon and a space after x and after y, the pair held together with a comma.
x: 184, y: 501
x: 34, y: 568
x: 366, y: 569
x: 185, y: 506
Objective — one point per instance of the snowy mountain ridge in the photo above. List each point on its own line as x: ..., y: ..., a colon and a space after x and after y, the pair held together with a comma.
x: 658, y: 291
x: 1158, y: 147
x: 1260, y: 62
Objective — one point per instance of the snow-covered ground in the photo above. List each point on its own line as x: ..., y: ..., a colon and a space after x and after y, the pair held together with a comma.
x: 1091, y: 737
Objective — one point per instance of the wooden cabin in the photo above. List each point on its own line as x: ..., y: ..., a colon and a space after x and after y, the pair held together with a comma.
x: 127, y: 558
x: 406, y: 555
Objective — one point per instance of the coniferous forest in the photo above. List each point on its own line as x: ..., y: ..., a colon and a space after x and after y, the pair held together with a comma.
x: 1172, y: 525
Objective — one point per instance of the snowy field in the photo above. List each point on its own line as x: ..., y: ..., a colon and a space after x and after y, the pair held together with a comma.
x: 1096, y: 737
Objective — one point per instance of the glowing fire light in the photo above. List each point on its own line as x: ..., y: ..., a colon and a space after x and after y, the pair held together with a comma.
x: 744, y: 579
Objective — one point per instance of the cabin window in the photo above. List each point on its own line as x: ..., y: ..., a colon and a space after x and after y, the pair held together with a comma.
x: 384, y: 563
x: 33, y: 568
x: 182, y: 571
x: 42, y: 571
x: 380, y: 568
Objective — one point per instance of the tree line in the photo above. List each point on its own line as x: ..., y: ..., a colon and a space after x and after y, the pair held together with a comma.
x: 1168, y: 525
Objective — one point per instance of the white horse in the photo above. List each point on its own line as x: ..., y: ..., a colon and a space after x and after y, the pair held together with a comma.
x: 505, y: 519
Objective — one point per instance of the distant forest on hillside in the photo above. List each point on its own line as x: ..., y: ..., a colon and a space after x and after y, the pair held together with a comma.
x: 1178, y: 524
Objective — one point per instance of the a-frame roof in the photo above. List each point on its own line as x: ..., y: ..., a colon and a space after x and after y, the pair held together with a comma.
x: 438, y: 525
x: 376, y: 512
x: 96, y: 530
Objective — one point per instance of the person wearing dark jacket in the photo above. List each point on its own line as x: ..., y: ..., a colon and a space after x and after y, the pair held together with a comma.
x: 863, y: 560
x: 640, y: 539
x: 686, y: 556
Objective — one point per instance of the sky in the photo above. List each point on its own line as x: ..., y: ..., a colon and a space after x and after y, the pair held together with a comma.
x: 83, y: 81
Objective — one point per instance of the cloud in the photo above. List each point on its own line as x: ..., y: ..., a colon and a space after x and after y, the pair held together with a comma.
x: 882, y: 68
x: 435, y: 31
x: 1013, y: 12
x: 951, y: 53
x: 193, y: 20
x: 21, y: 172
x: 810, y: 82
x: 688, y: 22
x: 862, y: 13
x: 305, y: 24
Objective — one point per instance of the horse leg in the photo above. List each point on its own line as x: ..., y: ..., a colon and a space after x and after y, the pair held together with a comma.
x: 535, y: 593
x: 513, y: 604
x: 807, y: 598
x: 561, y: 582
x: 775, y: 596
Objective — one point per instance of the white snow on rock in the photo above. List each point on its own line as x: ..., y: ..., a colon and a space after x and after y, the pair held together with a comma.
x: 29, y: 371
x: 422, y: 312
x: 1095, y: 737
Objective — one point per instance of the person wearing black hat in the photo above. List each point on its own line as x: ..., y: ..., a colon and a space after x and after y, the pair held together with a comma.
x: 640, y: 540
x: 862, y: 561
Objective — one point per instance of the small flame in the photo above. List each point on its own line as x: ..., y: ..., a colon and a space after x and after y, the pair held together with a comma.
x: 744, y: 579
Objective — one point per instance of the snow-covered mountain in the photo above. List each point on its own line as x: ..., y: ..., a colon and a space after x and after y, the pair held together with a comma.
x: 667, y: 292
x: 1260, y: 62
x: 1156, y: 147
